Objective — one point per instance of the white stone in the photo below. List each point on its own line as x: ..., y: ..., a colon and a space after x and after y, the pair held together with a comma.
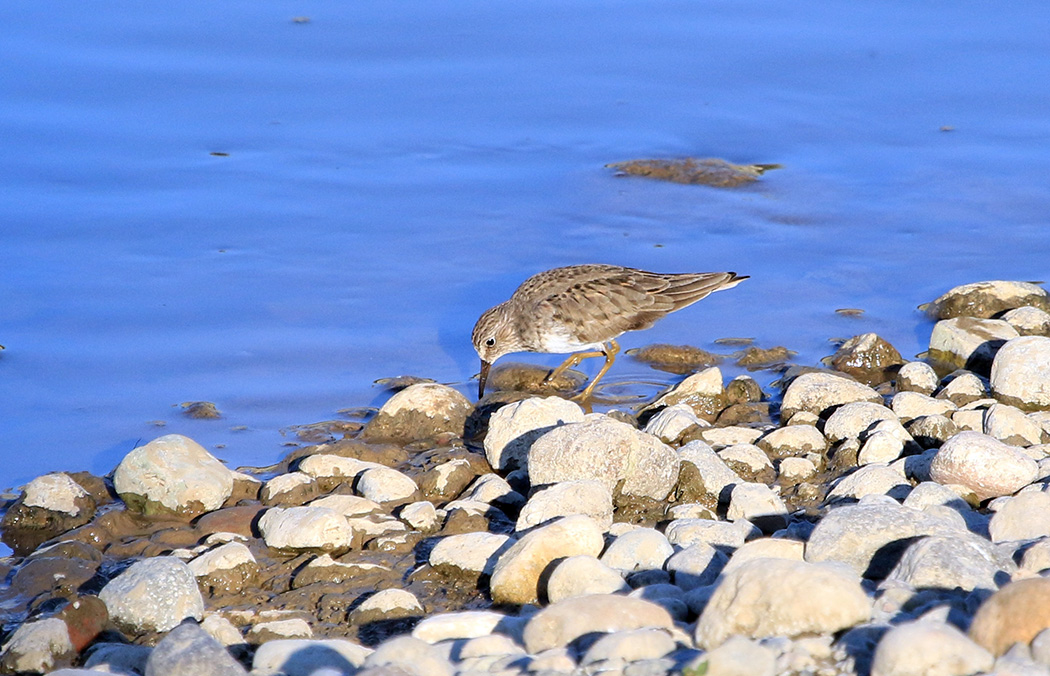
x: 1021, y: 373
x: 390, y: 600
x: 307, y: 657
x: 55, y: 492
x: 349, y: 506
x: 671, y: 422
x: 873, y: 479
x: 382, y: 484
x: 917, y: 376
x: 964, y: 388
x: 1028, y: 320
x: 561, y: 623
x: 851, y: 421
x: 911, y: 405
x: 720, y: 437
x: 421, y: 515
x: 223, y: 557
x: 880, y: 447
x: 964, y: 340
x: 464, y: 624
x: 36, y: 646
x: 638, y: 549
x: 153, y: 595
x: 984, y: 465
x: 328, y: 466
x: 795, y: 470
x: 514, y: 427
x: 565, y: 498
x: 285, y: 483
x: 222, y: 630
x: 305, y: 528
x: 698, y: 565
x: 414, y: 657
x: 747, y: 455
x: 582, y: 575
x: 714, y: 470
x: 176, y: 473
x: 629, y: 646
x: 756, y: 502
x: 1025, y: 516
x: 1010, y: 425
x: 728, y: 534
x: 817, y: 392
x: 928, y: 648
x: 794, y: 440
x: 491, y: 488
x: 292, y: 628
x: 959, y: 560
x: 472, y: 552
x: 766, y: 548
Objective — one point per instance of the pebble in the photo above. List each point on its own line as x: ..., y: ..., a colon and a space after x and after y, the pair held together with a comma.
x: 871, y: 479
x: 388, y: 604
x: 1029, y: 321
x: 697, y: 565
x: 1021, y: 373
x: 309, y: 528
x: 605, y: 450
x: 880, y: 447
x: 447, y: 480
x: 931, y: 431
x: 967, y: 342
x: 713, y: 472
x: 1014, y: 614
x: 421, y: 515
x: 153, y: 595
x: 984, y: 465
x: 851, y: 421
x: 418, y: 412
x: 720, y: 437
x: 516, y: 577
x: 222, y: 630
x: 387, y: 486
x: 962, y: 560
x: 59, y: 493
x: 328, y: 466
x: 308, y: 657
x: 779, y: 597
x: 928, y: 648
x: 638, y: 549
x: 1025, y: 516
x: 565, y: 498
x: 917, y: 376
x: 725, y: 534
x: 1011, y: 426
x: 228, y: 568
x: 469, y: 552
x: 910, y: 405
x: 513, y: 428
x: 581, y: 575
x: 466, y: 624
x: 669, y: 424
x: 37, y: 647
x: 293, y: 488
x: 758, y: 504
x: 792, y: 441
x: 172, y: 474
x: 188, y: 650
x: 413, y: 656
x: 560, y: 623
x: 817, y: 392
x: 631, y: 645
x: 295, y: 627
x: 737, y: 656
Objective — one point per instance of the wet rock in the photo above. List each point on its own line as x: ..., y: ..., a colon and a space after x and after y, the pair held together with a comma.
x: 753, y: 358
x: 910, y: 405
x: 1029, y: 321
x: 200, y: 410
x: 737, y: 656
x: 917, y: 376
x: 704, y: 476
x: 153, y: 595
x: 421, y: 516
x: 447, y: 480
x: 386, y: 605
x: 291, y: 489
x: 303, y: 657
x: 982, y: 464
x: 608, y: 451
x: 871, y: 536
x: 326, y: 569
x: 1025, y: 516
x: 1021, y: 373
x: 669, y: 424
x: 712, y: 172
x: 852, y: 421
x: 965, y: 342
x: 749, y: 462
x: 820, y: 391
x: 582, y: 575
x: 721, y: 437
x: 49, y: 505
x: 702, y: 392
x: 514, y: 427
x: 928, y: 648
x: 963, y: 387
x: 931, y: 431
x: 723, y: 534
x: 1014, y: 614
x: 638, y: 549
x: 961, y: 560
x: 418, y: 412
x: 1011, y: 426
x: 561, y: 623
x: 516, y: 578
x: 227, y: 569
x: 679, y: 359
x: 783, y: 598
x: 236, y: 520
x: 868, y: 358
x: 413, y: 656
x: 473, y: 553
x: 387, y: 487
x: 189, y: 651
x: 305, y: 528
x: 986, y: 299
x: 697, y: 565
x: 273, y: 630
x: 465, y: 624
x: 37, y: 647
x: 793, y: 441
x: 758, y: 504
x: 172, y: 476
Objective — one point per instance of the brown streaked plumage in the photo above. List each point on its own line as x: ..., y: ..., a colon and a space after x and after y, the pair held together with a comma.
x: 585, y: 307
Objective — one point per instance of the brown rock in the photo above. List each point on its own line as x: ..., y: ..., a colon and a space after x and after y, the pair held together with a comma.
x: 1014, y: 614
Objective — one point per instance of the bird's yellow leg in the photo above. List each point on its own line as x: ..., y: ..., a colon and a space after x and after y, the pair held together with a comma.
x: 611, y: 350
x: 572, y: 361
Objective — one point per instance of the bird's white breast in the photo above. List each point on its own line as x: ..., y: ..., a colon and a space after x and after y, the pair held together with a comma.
x: 560, y: 341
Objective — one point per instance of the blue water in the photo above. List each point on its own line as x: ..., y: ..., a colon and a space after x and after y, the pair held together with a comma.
x: 395, y: 168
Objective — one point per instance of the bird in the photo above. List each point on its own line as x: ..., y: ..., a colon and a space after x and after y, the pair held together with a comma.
x: 582, y: 309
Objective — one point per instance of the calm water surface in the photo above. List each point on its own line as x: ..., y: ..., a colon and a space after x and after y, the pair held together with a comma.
x: 390, y: 170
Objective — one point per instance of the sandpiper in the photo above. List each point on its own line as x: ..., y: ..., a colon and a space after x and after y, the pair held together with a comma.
x: 585, y: 307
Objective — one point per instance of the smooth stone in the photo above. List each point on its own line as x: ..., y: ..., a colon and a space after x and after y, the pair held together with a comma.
x: 172, y: 475
x: 917, y: 376
x: 492, y: 488
x: 228, y: 568
x: 964, y: 388
x: 671, y: 597
x: 871, y: 479
x: 796, y: 470
x: 513, y: 428
x: 709, y: 468
x: 910, y: 405
x: 631, y: 645
x: 582, y: 575
x: 582, y: 496
x: 37, y: 647
x: 1011, y: 426
x: 414, y: 656
x: 724, y: 534
x: 222, y: 630
x: 312, y: 528
x: 766, y: 548
x: 387, y: 604
x: 880, y: 447
x: 737, y: 656
x: 669, y: 424
x: 931, y: 431
x: 1014, y: 614
x: 968, y: 421
x: 350, y: 506
x: 1025, y: 516
x: 292, y: 628
x: 470, y: 552
x: 308, y: 657
x: 464, y: 624
x: 779, y: 597
x: 328, y: 466
x: 851, y: 421
x: 928, y: 648
x: 188, y: 650
x: 385, y: 485
x: 58, y: 492
x: 720, y: 437
x: 962, y: 560
x: 749, y: 462
x: 759, y: 504
x: 561, y: 623
x: 982, y: 464
x: 820, y: 391
x: 420, y: 411
x: 986, y: 299
x: 421, y: 515
x: 792, y: 441
x: 447, y: 480
x: 702, y: 392
x: 293, y: 488
x: 929, y: 493
x: 1028, y: 320
x: 870, y: 536
x: 516, y: 577
x: 968, y: 342
x: 117, y: 658
x: 153, y: 595
x: 638, y: 549
x: 697, y: 565
x: 608, y: 451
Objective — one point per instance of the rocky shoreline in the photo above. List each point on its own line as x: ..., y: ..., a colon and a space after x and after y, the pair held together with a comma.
x: 878, y: 516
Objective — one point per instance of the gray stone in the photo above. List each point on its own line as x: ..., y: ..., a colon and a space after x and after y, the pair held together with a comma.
x: 961, y: 560
x: 153, y: 595
x: 308, y: 657
x: 982, y: 464
x: 117, y: 658
x: 514, y: 427
x: 1021, y: 373
x: 698, y: 565
x: 566, y: 498
x: 820, y: 391
x: 189, y: 651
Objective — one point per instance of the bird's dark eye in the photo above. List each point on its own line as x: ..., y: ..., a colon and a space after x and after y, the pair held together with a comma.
x: 489, y: 342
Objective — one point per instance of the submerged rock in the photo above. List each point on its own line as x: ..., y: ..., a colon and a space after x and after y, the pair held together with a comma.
x: 420, y: 411
x: 710, y: 171
x: 965, y: 342
x: 868, y: 358
x: 679, y: 359
x: 987, y: 299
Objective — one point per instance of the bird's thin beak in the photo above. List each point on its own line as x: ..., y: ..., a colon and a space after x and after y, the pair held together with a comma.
x: 483, y: 377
